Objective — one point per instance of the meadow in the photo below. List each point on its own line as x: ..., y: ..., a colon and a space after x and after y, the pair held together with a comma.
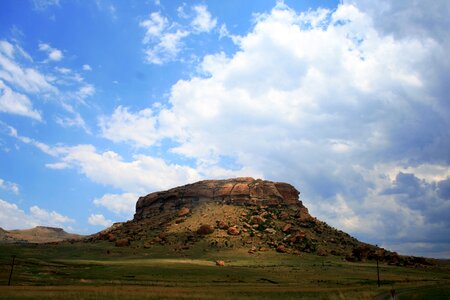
x: 102, y: 271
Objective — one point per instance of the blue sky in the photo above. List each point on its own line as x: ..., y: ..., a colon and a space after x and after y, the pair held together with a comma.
x: 104, y: 101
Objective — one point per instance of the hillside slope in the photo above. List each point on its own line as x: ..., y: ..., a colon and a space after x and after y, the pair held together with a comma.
x: 237, y: 213
x: 38, y: 234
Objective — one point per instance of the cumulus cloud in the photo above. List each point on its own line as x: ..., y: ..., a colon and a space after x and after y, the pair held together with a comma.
x: 99, y: 220
x: 12, y: 217
x: 164, y: 42
x: 9, y: 186
x: 140, y: 175
x: 53, y: 53
x: 87, y: 67
x: 164, y: 39
x: 54, y: 217
x: 120, y: 204
x: 154, y: 26
x: 333, y: 102
x: 124, y: 126
x: 406, y: 19
x: 354, y: 115
x: 203, y: 21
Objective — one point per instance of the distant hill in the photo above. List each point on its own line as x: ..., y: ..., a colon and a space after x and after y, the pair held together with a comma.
x: 254, y: 214
x: 38, y: 234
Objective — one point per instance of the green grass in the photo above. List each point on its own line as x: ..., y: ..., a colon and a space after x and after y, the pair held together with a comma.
x: 102, y: 271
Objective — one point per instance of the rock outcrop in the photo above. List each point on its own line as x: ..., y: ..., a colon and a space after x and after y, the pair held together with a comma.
x: 238, y: 214
x: 236, y: 191
x: 245, y: 215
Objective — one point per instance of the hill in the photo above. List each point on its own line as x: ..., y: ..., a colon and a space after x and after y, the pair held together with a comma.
x: 240, y: 213
x: 38, y: 234
x: 238, y: 238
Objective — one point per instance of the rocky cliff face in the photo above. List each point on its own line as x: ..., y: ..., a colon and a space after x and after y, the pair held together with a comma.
x: 244, y: 191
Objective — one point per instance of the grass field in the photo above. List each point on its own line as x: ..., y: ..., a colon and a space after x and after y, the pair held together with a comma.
x: 102, y: 271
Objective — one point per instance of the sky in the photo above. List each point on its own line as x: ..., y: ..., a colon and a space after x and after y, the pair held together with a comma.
x: 105, y: 101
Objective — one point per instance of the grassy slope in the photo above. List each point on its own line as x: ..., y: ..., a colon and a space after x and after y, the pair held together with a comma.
x: 38, y: 234
x: 102, y: 271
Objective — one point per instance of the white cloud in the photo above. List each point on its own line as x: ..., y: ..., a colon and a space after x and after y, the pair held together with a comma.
x: 123, y: 126
x: 85, y: 91
x: 58, y: 166
x: 99, y: 220
x: 64, y: 71
x: 9, y: 186
x: 431, y: 173
x: 39, y: 145
x: 167, y: 48
x: 406, y: 19
x: 12, y: 217
x: 75, y: 121
x: 87, y: 67
x: 141, y: 175
x: 154, y: 26
x: 16, y: 103
x: 44, y: 4
x: 223, y: 31
x: 120, y: 204
x: 28, y: 79
x: 164, y: 39
x: 21, y: 81
x: 7, y: 48
x: 181, y: 11
x: 53, y: 53
x: 203, y: 22
x: 107, y: 6
x: 354, y: 115
x: 322, y: 99
x: 48, y: 216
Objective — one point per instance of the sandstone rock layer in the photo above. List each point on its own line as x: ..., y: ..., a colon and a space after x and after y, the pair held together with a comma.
x: 236, y: 191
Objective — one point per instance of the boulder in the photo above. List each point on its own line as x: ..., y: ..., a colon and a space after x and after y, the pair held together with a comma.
x: 284, y: 215
x: 295, y: 237
x: 180, y: 220
x: 270, y: 231
x: 222, y: 225
x: 111, y: 237
x: 321, y: 252
x: 257, y: 220
x: 303, y: 214
x: 281, y: 249
x: 205, y: 229
x: 220, y: 263
x: 233, y: 231
x: 183, y: 211
x: 287, y: 227
x: 122, y: 243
